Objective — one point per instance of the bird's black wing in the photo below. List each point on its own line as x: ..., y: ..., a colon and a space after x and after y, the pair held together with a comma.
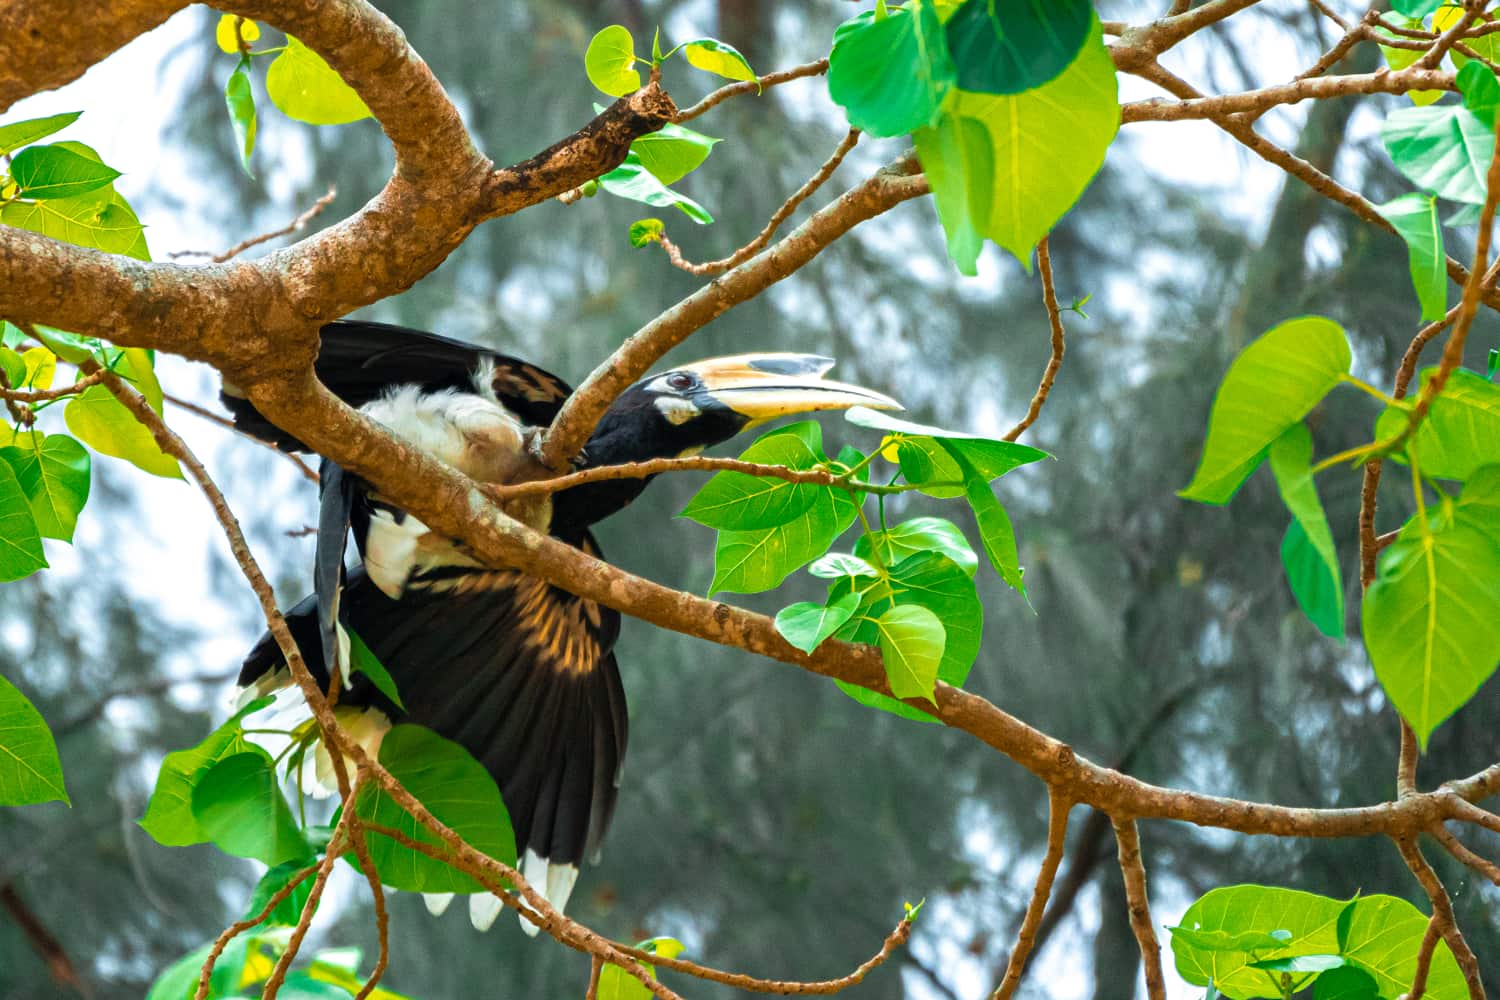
x: 520, y: 673
x: 358, y: 361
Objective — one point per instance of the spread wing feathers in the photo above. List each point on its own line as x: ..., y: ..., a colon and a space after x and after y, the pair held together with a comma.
x: 358, y: 361
x: 517, y: 671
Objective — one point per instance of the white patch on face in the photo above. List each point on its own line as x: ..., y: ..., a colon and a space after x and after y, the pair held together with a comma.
x: 676, y: 410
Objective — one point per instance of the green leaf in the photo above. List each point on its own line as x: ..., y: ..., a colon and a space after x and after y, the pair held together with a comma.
x: 1400, y: 58
x: 1416, y: 8
x: 1005, y: 48
x: 1479, y: 505
x: 1429, y: 616
x: 306, y: 88
x: 55, y: 479
x: 840, y: 564
x: 1480, y: 89
x: 18, y: 134
x: 911, y: 644
x: 1047, y: 145
x: 363, y: 661
x: 609, y: 61
x: 644, y: 231
x: 958, y: 157
x: 180, y: 980
x: 169, y: 815
x: 240, y: 102
x: 104, y: 424
x: 273, y: 881
x: 719, y: 58
x: 107, y: 223
x: 11, y: 335
x: 1415, y: 217
x: 74, y: 348
x: 1223, y: 940
x: 920, y: 534
x: 58, y: 172
x: 1301, y: 963
x: 1307, y: 550
x: 736, y: 501
x: 1461, y: 431
x: 30, y: 771
x: 673, y: 152
x: 996, y: 533
x: 1385, y: 934
x: 13, y: 366
x: 1272, y: 385
x: 1444, y: 149
x: 890, y: 74
x: 1493, y: 364
x: 20, y: 542
x: 446, y: 779
x: 748, y: 562
x: 935, y: 582
x: 238, y: 805
x: 805, y: 625
x: 632, y: 180
x: 1346, y: 983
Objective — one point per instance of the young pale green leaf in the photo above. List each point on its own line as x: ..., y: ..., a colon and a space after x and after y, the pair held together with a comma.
x: 1272, y: 385
x: 632, y: 180
x: 273, y: 881
x: 617, y: 984
x: 996, y: 533
x: 103, y: 423
x: 169, y: 815
x: 805, y: 625
x: 1415, y: 217
x: 890, y: 74
x: 456, y: 789
x: 958, y: 157
x: 673, y: 152
x: 1445, y: 150
x: 1480, y: 89
x: 1479, y: 505
x: 238, y: 805
x: 736, y: 501
x: 835, y: 565
x: 1048, y: 144
x: 609, y: 61
x: 57, y: 172
x: 1399, y: 59
x: 306, y: 88
x: 30, y: 771
x: 363, y: 661
x: 1307, y: 551
x: 748, y: 562
x: 646, y: 231
x: 11, y: 335
x: 180, y: 979
x: 13, y: 367
x: 20, y: 541
x: 1384, y: 935
x: 920, y: 534
x: 240, y: 102
x: 1005, y: 48
x: 935, y: 582
x: 1429, y: 617
x: 18, y: 134
x: 911, y: 644
x: 719, y: 58
x: 1461, y: 431
x: 106, y: 223
x: 55, y: 479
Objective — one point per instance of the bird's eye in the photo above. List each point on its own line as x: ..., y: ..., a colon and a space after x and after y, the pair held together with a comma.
x: 680, y: 380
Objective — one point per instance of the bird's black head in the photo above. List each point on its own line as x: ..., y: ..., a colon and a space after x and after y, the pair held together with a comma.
x: 687, y: 409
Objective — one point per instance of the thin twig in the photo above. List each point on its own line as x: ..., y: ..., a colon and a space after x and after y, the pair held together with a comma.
x: 1442, y: 918
x: 751, y: 87
x: 596, y: 968
x: 239, y: 927
x: 29, y: 396
x: 295, y: 226
x: 307, y: 471
x: 1463, y: 855
x: 783, y: 213
x: 1054, y: 316
x: 336, y: 846
x: 1134, y: 872
x: 1058, y: 809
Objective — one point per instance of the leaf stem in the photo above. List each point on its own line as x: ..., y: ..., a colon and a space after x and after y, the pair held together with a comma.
x: 1369, y: 389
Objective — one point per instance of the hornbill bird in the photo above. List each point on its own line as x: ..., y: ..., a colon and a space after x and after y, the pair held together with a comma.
x: 518, y: 671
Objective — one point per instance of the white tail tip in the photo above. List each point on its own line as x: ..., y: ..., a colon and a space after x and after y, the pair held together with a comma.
x: 437, y: 902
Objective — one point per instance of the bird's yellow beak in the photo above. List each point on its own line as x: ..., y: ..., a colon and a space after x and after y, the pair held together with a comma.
x: 765, y: 386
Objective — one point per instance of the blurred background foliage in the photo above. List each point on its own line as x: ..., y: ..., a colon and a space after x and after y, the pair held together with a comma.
x: 766, y: 820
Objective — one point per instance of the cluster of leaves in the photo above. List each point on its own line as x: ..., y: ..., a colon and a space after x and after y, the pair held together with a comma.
x: 1445, y: 150
x: 1427, y: 619
x: 249, y: 959
x: 1011, y: 107
x: 907, y: 588
x: 298, y: 81
x: 1249, y: 941
x: 662, y: 158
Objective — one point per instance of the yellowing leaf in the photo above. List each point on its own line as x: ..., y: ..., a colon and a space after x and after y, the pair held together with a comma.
x: 225, y: 35
x: 306, y: 88
x: 713, y: 56
x: 41, y: 365
x: 103, y: 423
